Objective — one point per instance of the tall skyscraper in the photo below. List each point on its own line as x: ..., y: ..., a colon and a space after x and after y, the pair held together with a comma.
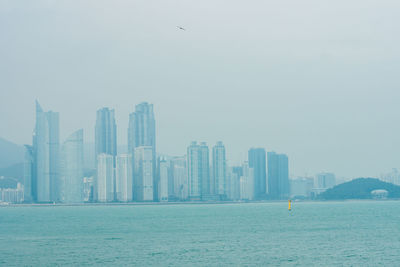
x: 105, y: 132
x: 257, y: 161
x: 46, y: 155
x: 180, y: 178
x: 29, y: 175
x: 105, y: 138
x: 142, y: 132
x: 247, y: 183
x: 198, y: 170
x: 233, y: 184
x: 104, y: 183
x: 124, y: 176
x: 144, y: 173
x: 278, y: 176
x: 219, y: 169
x: 163, y: 185
x: 71, y: 186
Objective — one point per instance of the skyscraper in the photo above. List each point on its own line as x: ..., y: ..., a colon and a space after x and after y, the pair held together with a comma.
x: 257, y: 161
x: 124, y: 176
x: 142, y: 132
x: 144, y: 173
x: 233, y: 184
x: 278, y: 176
x: 198, y: 170
x: 163, y: 185
x: 29, y: 175
x: 46, y: 155
x: 247, y: 183
x: 104, y: 183
x: 105, y: 139
x: 219, y: 169
x: 71, y: 186
x: 105, y: 133
x: 142, y: 127
x: 180, y: 178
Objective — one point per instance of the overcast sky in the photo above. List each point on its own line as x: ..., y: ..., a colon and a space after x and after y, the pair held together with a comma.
x: 317, y: 80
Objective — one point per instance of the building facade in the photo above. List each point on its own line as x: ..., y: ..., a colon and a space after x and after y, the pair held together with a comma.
x: 124, y: 178
x: 142, y: 133
x: 219, y: 170
x: 198, y: 168
x: 71, y: 188
x: 104, y: 183
x: 257, y: 161
x: 143, y: 173
x: 46, y: 156
x: 278, y: 176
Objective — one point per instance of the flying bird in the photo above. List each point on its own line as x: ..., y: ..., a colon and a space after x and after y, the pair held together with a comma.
x: 181, y: 28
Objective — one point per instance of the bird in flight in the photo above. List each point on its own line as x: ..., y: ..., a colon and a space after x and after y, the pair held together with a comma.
x: 181, y: 28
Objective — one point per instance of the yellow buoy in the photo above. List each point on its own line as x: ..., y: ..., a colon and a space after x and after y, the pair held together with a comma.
x: 290, y: 205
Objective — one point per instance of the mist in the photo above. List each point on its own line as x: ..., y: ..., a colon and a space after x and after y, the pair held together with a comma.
x: 316, y: 80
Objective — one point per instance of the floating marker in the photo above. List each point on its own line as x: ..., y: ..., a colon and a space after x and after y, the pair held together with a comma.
x: 290, y: 205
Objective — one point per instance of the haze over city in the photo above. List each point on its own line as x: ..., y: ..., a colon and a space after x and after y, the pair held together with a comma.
x: 314, y: 81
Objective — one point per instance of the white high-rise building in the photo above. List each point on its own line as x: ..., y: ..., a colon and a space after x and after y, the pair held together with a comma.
x: 219, y: 169
x: 105, y: 178
x: 180, y: 180
x: 71, y: 186
x: 198, y: 169
x: 247, y: 183
x: 142, y: 132
x: 234, y: 185
x: 124, y: 178
x: 143, y: 173
x: 46, y: 156
x: 163, y: 185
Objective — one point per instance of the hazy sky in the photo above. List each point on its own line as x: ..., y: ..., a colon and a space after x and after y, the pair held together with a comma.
x: 315, y: 79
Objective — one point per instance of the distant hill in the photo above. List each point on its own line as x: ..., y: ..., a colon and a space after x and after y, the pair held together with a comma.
x: 10, y: 153
x: 359, y: 189
x: 15, y: 171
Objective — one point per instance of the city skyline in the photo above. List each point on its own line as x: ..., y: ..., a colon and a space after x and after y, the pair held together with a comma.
x: 231, y: 159
x: 54, y: 174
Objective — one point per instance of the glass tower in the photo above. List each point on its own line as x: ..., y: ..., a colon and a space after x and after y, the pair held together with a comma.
x: 72, y: 168
x: 257, y: 161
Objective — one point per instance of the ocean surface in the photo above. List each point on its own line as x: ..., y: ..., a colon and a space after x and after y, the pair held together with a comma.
x: 356, y: 233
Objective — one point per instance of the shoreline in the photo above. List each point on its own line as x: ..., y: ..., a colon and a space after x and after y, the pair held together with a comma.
x: 183, y: 203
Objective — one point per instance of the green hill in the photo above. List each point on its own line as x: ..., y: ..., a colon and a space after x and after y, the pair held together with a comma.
x: 359, y: 189
x: 10, y: 153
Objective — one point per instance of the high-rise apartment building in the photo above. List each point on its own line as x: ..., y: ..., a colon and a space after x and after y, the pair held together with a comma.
x: 104, y: 184
x: 257, y: 161
x: 219, y: 169
x: 46, y: 155
x: 29, y: 175
x: 247, y: 183
x: 143, y: 173
x: 142, y: 133
x: 278, y: 176
x: 163, y: 184
x: 71, y: 182
x: 198, y: 170
x: 124, y: 178
x: 233, y: 185
x: 180, y: 178
x: 105, y: 132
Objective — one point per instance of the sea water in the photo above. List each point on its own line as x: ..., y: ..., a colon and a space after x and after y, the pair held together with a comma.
x: 353, y: 233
